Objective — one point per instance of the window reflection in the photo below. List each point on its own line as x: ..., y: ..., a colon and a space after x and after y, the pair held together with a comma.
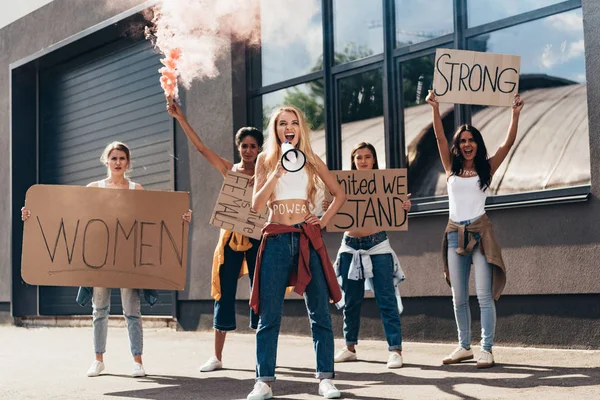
x: 307, y: 97
x: 483, y: 11
x: 552, y: 147
x: 426, y: 176
x: 358, y: 29
x: 413, y: 25
x: 361, y: 114
x: 291, y: 39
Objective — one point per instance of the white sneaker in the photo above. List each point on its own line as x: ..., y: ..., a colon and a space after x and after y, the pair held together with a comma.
x: 485, y: 360
x: 212, y: 364
x: 261, y: 391
x: 395, y: 360
x: 96, y: 368
x: 345, y: 355
x: 328, y: 390
x: 138, y: 370
x: 459, y: 354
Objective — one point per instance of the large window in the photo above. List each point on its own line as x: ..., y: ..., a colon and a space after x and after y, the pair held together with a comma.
x: 361, y: 113
x: 358, y: 79
x: 420, y: 20
x: 358, y: 29
x: 552, y: 147
x: 484, y: 11
x: 291, y: 39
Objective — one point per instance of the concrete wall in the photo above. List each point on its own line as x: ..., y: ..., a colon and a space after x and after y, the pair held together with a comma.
x: 209, y: 107
x: 38, y: 30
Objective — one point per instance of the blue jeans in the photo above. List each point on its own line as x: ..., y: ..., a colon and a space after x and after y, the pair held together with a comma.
x: 383, y: 287
x: 130, y: 299
x: 224, y: 314
x: 279, y: 258
x: 460, y: 270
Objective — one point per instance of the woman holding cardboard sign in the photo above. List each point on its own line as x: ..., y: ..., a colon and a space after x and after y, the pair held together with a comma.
x: 469, y: 238
x: 235, y: 254
x: 366, y: 256
x: 117, y: 158
x: 292, y: 252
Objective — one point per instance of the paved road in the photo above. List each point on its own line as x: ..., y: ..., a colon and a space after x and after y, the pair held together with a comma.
x: 50, y: 363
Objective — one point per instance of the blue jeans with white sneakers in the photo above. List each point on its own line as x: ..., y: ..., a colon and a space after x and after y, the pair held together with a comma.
x: 130, y: 299
x: 460, y: 269
x: 279, y: 258
x: 385, y: 292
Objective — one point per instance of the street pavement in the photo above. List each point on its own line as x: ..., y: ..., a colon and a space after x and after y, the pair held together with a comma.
x: 50, y: 363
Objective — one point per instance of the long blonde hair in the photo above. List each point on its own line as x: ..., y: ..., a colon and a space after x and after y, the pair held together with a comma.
x: 273, y: 150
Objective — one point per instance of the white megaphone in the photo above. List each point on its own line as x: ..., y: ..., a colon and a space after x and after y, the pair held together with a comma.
x: 292, y: 159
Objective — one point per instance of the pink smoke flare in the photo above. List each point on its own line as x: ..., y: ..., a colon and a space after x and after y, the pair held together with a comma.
x: 194, y: 34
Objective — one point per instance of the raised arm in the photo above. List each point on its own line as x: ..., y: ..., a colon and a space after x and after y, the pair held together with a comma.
x: 497, y: 159
x: 438, y: 129
x: 264, y: 185
x: 331, y: 184
x: 221, y: 164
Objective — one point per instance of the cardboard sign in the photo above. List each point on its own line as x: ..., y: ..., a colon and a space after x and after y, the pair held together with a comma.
x: 233, y: 210
x: 115, y: 238
x: 373, y: 200
x: 470, y: 77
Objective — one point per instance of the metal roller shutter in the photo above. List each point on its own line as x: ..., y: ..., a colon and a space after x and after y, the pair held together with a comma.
x: 110, y: 93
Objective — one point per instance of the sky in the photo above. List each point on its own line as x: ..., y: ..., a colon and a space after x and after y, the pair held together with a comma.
x: 17, y: 9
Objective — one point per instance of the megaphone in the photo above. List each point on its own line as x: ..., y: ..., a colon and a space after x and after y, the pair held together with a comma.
x: 292, y: 159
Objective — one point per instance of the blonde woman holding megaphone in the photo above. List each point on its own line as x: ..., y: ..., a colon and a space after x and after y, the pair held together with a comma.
x: 292, y: 252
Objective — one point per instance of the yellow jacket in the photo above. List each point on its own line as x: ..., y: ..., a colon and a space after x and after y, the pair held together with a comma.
x: 238, y: 242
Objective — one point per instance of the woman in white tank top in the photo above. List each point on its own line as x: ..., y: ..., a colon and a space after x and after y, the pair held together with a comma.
x: 117, y: 158
x: 292, y: 252
x: 469, y: 172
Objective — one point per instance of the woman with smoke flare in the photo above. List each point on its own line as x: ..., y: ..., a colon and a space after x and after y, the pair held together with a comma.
x: 292, y: 252
x: 235, y: 254
x: 117, y: 158
x: 469, y: 238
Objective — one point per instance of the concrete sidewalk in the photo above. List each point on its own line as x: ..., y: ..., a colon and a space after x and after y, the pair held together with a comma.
x: 50, y: 363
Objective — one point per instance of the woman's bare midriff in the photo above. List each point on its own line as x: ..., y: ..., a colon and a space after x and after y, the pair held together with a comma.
x: 288, y: 212
x: 363, y: 232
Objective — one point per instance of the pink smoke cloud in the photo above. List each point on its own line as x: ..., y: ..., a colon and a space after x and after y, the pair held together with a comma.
x: 194, y: 34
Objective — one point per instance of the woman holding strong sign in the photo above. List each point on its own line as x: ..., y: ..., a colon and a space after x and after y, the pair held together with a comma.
x: 469, y: 238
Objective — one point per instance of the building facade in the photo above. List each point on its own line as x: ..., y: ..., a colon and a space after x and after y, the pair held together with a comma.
x: 78, y: 76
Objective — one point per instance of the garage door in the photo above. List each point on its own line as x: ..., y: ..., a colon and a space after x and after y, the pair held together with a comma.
x: 110, y: 93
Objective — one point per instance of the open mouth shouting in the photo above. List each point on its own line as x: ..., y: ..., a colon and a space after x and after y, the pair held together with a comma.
x: 468, y: 153
x: 289, y: 136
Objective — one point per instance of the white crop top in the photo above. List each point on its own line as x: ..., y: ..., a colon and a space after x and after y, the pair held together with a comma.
x: 292, y: 185
x: 465, y: 198
x: 102, y: 184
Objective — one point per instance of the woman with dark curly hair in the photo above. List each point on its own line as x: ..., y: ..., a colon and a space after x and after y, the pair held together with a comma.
x: 469, y: 238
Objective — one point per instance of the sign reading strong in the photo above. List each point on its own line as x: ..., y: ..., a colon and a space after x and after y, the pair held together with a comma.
x: 115, y: 238
x: 470, y: 77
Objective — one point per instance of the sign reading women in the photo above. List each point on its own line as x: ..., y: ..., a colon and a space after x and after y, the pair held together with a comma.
x: 80, y: 236
x: 373, y: 200
x: 470, y: 77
